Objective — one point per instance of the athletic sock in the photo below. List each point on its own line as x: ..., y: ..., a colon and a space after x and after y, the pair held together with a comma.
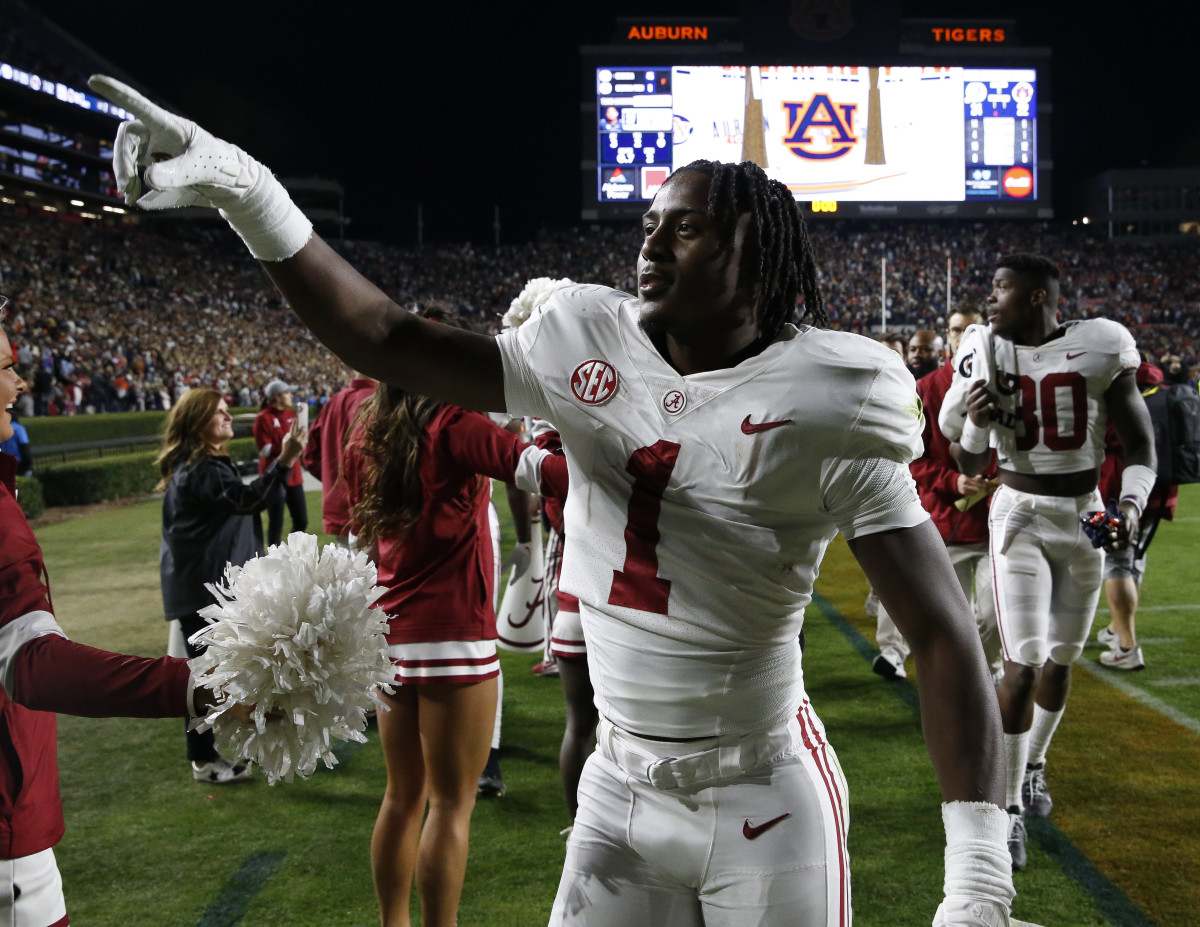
x: 1016, y: 754
x: 1045, y: 723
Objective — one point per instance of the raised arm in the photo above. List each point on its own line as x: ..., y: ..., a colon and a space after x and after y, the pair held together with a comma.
x: 186, y: 166
x: 357, y: 321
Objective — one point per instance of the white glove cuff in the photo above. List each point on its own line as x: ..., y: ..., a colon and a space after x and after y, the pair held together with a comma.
x: 977, y: 861
x: 271, y: 225
x: 1137, y: 480
x: 974, y: 439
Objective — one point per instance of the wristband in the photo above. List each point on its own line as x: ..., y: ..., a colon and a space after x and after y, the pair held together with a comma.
x: 978, y: 864
x: 974, y: 440
x: 266, y: 219
x: 1137, y: 480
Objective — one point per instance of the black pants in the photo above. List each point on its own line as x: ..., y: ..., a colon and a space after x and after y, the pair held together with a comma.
x: 201, y: 747
x: 297, y: 506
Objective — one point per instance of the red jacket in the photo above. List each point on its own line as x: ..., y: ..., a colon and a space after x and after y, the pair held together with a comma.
x: 937, y: 476
x: 271, y: 426
x: 52, y: 674
x: 323, y: 452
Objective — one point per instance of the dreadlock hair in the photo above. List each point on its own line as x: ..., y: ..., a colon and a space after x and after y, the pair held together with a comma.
x: 777, y: 255
x: 183, y: 441
x: 388, y: 429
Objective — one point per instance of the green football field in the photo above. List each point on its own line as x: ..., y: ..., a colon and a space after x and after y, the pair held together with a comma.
x: 147, y: 845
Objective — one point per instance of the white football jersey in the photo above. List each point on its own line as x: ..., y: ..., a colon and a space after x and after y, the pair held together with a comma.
x: 700, y: 506
x: 1052, y: 413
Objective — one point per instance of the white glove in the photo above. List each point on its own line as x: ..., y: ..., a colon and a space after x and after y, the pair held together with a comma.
x: 518, y: 559
x: 187, y: 166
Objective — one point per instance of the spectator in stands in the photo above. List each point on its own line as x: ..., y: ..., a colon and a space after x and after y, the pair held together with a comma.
x: 209, y: 520
x: 271, y: 426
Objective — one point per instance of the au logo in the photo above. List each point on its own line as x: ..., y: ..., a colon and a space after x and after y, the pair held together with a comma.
x: 831, y: 123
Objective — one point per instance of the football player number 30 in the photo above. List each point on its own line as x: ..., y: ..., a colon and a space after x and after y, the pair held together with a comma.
x: 638, y: 585
x: 1048, y: 392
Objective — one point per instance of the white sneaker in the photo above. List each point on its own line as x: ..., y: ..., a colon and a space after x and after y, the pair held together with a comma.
x: 1108, y: 637
x: 221, y: 771
x: 1122, y: 659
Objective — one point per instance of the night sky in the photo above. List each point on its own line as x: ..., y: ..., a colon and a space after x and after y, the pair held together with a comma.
x: 465, y: 107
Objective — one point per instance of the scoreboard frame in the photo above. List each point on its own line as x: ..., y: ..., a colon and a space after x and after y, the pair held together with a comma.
x: 731, y: 56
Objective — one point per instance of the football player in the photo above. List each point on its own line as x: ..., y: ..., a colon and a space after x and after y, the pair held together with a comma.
x: 714, y: 450
x: 1039, y: 393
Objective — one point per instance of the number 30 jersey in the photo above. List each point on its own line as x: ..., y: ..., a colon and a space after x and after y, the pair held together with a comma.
x: 1051, y: 415
x: 700, y: 506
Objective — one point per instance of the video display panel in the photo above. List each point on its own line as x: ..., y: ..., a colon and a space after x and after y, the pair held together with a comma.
x: 908, y: 134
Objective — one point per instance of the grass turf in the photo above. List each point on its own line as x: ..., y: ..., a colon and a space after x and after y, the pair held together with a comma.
x: 147, y: 845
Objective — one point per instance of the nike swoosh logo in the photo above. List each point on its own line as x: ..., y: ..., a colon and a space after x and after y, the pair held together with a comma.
x: 750, y: 832
x: 1077, y: 354
x: 749, y: 428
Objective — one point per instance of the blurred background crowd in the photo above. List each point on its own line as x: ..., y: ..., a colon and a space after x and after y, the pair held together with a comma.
x: 108, y: 317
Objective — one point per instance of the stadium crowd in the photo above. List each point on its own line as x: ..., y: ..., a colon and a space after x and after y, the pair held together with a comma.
x: 111, y: 317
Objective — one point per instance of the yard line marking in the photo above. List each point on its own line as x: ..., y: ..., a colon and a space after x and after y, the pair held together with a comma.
x: 1117, y: 681
x: 1177, y: 681
x: 240, y: 890
x: 1113, y: 903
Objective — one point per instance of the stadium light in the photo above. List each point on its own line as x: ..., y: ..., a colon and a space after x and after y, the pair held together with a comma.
x: 76, y: 202
x: 1086, y: 220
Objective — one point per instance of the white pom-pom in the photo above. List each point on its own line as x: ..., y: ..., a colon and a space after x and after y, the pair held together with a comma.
x: 293, y: 633
x: 536, y: 292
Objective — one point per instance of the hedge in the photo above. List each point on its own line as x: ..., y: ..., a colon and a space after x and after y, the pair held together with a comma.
x: 123, y: 476
x: 29, y: 496
x: 79, y: 429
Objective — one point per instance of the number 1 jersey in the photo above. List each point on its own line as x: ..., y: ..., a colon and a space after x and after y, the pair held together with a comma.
x: 700, y: 506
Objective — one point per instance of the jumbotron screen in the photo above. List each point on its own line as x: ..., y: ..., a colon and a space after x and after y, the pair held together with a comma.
x: 848, y: 139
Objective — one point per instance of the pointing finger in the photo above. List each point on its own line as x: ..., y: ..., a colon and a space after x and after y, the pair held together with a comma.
x: 169, y: 132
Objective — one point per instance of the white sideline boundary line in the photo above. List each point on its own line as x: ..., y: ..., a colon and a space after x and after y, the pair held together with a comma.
x: 1114, y: 679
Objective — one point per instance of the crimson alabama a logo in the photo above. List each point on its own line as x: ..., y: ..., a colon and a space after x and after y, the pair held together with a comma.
x: 594, y: 382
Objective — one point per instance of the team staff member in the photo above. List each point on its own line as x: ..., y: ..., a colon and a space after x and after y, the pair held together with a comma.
x: 41, y: 673
x: 708, y: 477
x: 944, y: 487
x: 271, y: 427
x: 323, y: 453
x: 1040, y: 393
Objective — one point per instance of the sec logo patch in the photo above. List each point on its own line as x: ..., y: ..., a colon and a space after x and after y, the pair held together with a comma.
x: 594, y: 382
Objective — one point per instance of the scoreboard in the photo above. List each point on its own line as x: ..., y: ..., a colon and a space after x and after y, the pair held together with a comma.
x: 904, y: 140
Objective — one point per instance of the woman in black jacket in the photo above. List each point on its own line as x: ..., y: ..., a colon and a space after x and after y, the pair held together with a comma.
x: 210, y: 519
